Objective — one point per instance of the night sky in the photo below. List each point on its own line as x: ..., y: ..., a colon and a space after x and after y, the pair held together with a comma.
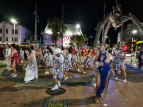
x: 84, y: 12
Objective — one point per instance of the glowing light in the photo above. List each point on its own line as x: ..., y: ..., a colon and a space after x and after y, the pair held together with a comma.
x: 125, y: 47
x: 49, y: 31
x: 78, y: 33
x: 13, y: 20
x: 68, y: 33
x: 77, y: 26
x: 134, y: 31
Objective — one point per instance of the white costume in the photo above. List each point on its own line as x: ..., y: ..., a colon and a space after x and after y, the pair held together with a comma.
x: 8, y: 53
x: 31, y: 70
x: 21, y: 54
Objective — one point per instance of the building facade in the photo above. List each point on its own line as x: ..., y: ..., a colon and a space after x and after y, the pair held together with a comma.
x: 132, y: 31
x: 7, y: 34
x: 71, y: 30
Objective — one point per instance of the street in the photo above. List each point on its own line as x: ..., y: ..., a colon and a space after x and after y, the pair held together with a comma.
x: 77, y: 92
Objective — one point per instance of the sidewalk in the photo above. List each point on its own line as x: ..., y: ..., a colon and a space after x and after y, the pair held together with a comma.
x: 78, y: 91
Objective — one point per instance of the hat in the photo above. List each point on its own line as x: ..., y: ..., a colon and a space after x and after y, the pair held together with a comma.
x: 58, y: 51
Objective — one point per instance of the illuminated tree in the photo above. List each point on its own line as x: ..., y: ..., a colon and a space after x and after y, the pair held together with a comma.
x: 55, y: 26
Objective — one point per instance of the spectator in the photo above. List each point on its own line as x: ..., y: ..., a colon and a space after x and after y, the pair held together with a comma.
x: 110, y: 51
x: 140, y: 57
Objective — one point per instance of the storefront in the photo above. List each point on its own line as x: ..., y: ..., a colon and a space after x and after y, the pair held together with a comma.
x: 66, y: 41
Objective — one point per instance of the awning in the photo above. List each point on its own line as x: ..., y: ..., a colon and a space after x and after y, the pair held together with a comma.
x: 24, y: 45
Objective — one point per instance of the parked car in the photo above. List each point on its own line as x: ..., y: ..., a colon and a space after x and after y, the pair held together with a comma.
x: 128, y: 54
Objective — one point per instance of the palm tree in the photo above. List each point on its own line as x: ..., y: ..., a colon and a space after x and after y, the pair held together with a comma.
x: 55, y: 26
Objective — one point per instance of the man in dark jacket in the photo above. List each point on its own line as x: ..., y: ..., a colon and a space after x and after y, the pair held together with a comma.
x: 140, y: 57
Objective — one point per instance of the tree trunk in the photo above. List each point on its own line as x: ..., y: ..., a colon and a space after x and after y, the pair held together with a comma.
x: 56, y: 43
x: 99, y: 29
x: 106, y: 31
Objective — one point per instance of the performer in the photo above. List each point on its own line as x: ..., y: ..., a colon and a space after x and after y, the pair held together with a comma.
x: 48, y: 60
x: 93, y: 63
x: 62, y: 49
x: 68, y: 64
x: 40, y: 57
x: 7, y: 57
x: 14, y: 59
x: 21, y: 56
x: 74, y: 60
x: 59, y: 60
x: 120, y: 64
x: 103, y: 71
x: 87, y: 59
x: 31, y: 69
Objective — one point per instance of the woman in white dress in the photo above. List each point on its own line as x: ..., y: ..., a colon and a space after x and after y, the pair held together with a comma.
x: 31, y: 69
x: 48, y: 60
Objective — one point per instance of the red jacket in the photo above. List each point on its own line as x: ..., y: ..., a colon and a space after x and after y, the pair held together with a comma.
x: 82, y: 52
x: 94, y: 52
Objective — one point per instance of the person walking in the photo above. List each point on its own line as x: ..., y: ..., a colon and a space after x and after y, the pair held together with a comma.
x: 120, y: 64
x: 7, y: 57
x: 31, y: 69
x: 14, y: 59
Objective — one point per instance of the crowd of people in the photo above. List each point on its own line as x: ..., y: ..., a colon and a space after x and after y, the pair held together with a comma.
x: 58, y: 61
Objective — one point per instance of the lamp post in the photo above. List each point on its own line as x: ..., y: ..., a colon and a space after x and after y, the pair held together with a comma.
x: 134, y: 32
x: 14, y: 21
x: 36, y: 20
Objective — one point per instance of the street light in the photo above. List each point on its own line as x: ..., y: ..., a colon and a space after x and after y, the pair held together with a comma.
x: 134, y: 31
x: 77, y: 26
x: 14, y: 21
x: 109, y: 40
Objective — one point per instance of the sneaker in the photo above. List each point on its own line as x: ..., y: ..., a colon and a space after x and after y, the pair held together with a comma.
x: 66, y: 78
x: 84, y: 72
x: 27, y: 81
x: 116, y: 78
x: 94, y: 84
x: 78, y: 70
x: 55, y: 88
x: 59, y: 83
x: 14, y: 76
x: 124, y: 80
x: 46, y: 72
